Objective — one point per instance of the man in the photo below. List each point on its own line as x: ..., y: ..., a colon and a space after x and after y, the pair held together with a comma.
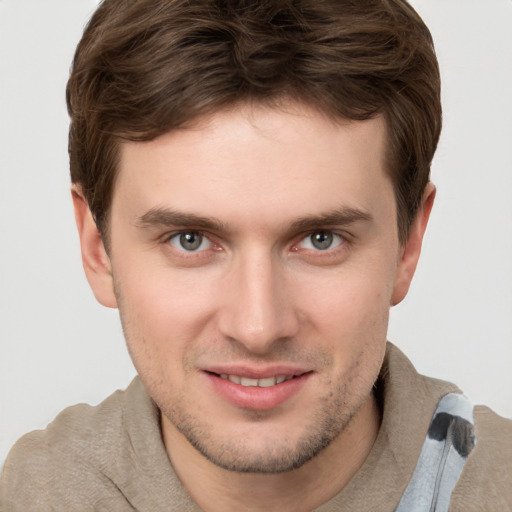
x: 251, y: 189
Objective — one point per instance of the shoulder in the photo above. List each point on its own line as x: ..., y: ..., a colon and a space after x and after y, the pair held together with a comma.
x: 486, y: 481
x: 68, y: 462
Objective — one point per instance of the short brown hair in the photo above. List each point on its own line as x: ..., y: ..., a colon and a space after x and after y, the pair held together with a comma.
x: 144, y: 67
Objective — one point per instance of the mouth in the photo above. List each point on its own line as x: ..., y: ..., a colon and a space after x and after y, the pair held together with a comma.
x: 248, y: 382
x: 250, y: 391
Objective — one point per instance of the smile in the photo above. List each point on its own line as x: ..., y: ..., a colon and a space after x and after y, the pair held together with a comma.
x: 261, y: 383
x: 245, y: 389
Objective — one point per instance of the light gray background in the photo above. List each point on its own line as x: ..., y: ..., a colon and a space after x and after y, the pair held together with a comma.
x: 59, y: 347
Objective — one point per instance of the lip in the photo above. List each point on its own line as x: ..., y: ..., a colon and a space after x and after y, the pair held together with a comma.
x: 257, y: 373
x: 254, y: 397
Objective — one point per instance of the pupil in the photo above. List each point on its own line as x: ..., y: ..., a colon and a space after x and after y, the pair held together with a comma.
x: 190, y: 241
x: 321, y: 240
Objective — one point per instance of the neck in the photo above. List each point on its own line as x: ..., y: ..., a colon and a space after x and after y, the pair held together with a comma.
x: 215, y: 489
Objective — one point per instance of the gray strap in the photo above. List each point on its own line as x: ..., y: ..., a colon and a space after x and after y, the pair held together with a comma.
x: 450, y: 439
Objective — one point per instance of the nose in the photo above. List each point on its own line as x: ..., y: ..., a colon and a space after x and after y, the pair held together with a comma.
x: 258, y: 310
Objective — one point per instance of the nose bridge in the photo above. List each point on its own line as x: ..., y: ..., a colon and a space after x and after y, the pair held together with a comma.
x: 260, y: 309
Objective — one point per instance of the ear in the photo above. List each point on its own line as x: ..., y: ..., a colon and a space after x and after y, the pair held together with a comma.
x: 410, y: 252
x: 94, y: 256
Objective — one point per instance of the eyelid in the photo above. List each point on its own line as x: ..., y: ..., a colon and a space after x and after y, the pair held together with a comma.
x: 337, y: 240
x: 344, y: 240
x: 170, y: 237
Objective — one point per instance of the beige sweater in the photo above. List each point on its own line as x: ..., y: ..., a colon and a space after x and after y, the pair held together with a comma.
x: 111, y: 457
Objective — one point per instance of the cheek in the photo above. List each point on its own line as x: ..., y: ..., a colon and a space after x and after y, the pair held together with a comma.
x: 351, y: 317
x: 163, y: 311
x: 346, y: 298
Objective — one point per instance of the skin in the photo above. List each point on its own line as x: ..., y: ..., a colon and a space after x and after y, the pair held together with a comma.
x: 252, y: 185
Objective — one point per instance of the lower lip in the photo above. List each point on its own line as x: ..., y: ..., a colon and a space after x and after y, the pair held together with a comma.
x: 254, y: 397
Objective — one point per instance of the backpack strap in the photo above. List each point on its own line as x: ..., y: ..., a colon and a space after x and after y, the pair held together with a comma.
x: 449, y: 441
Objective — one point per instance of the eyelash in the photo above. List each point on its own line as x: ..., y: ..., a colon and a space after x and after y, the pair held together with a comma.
x: 178, y: 236
x: 335, y: 238
x: 340, y: 238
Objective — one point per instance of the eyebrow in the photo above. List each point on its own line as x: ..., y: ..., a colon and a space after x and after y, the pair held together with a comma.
x: 158, y: 217
x: 341, y: 217
x: 166, y: 217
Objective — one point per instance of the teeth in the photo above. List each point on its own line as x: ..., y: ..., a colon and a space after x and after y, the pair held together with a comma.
x: 245, y: 381
x: 248, y: 382
x: 267, y: 383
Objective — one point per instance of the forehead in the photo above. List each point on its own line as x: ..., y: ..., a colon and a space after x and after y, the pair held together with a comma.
x: 254, y: 159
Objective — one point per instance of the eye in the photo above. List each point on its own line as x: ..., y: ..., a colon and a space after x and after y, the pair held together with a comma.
x: 190, y: 241
x: 321, y: 241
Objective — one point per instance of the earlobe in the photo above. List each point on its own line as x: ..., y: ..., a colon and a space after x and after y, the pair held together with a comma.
x: 95, y: 259
x: 410, y: 253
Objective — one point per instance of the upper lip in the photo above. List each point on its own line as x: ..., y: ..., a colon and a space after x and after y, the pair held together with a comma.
x: 257, y: 373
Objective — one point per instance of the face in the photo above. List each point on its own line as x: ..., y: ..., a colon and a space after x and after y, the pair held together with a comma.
x: 254, y: 259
